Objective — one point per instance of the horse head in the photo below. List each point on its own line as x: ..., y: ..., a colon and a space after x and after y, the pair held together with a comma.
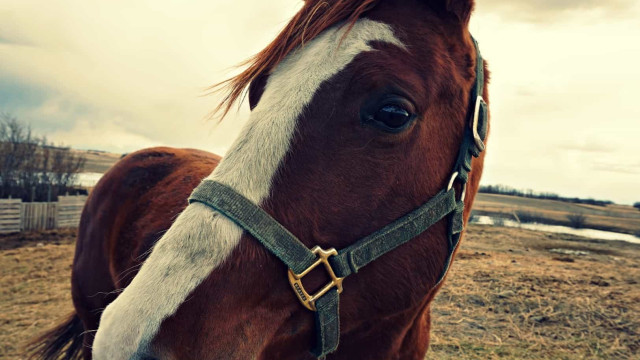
x: 359, y: 109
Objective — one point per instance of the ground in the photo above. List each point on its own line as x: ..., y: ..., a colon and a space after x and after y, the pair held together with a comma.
x: 518, y: 294
x: 511, y: 294
x: 35, y: 286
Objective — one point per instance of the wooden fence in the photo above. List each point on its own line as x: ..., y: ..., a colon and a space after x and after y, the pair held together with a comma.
x: 16, y: 216
x: 69, y: 210
x: 10, y: 215
x: 38, y: 216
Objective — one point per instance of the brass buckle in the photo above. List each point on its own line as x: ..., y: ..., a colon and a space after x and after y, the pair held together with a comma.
x: 309, y: 301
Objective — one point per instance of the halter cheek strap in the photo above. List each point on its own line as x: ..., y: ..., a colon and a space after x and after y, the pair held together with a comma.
x: 340, y: 264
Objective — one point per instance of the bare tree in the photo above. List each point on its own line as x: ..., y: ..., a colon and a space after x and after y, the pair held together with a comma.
x: 65, y: 167
x: 31, y: 168
x: 17, y: 152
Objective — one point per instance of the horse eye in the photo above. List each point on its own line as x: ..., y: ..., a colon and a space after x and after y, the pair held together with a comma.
x: 393, y: 116
x: 390, y: 113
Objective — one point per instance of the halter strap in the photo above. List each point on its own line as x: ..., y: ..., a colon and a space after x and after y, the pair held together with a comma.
x: 271, y: 234
x: 340, y: 264
x: 352, y: 258
x: 295, y: 255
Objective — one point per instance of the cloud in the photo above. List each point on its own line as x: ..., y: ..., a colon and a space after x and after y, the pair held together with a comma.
x: 6, y: 40
x: 143, y: 69
x: 549, y: 11
x: 588, y: 146
x: 15, y: 94
x: 112, y: 135
x: 92, y: 75
x: 625, y: 169
x: 563, y: 105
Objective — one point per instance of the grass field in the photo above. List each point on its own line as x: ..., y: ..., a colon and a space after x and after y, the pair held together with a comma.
x: 511, y: 294
x: 98, y: 161
x: 517, y: 294
x: 35, y: 286
x: 618, y: 218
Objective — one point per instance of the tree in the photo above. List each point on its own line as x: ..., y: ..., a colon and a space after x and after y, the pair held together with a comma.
x: 577, y: 220
x: 31, y: 168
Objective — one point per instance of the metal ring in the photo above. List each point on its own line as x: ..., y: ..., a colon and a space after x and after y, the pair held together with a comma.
x: 476, y: 114
x: 453, y: 179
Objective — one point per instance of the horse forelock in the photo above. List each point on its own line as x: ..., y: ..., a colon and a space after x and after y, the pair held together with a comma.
x: 312, y: 19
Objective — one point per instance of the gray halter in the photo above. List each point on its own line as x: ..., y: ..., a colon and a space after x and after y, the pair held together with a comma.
x: 340, y: 264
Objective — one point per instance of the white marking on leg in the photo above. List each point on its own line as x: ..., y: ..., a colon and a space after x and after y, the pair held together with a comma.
x: 201, y: 239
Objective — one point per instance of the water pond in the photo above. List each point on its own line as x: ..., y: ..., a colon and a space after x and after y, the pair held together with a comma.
x: 587, y: 233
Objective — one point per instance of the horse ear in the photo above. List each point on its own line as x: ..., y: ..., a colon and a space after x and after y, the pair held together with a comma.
x: 461, y: 9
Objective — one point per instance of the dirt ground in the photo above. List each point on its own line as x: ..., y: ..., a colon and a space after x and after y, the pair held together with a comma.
x: 511, y: 294
x: 35, y: 286
x: 518, y: 294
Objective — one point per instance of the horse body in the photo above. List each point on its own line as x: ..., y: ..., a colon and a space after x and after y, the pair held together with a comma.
x: 123, y: 220
x: 130, y: 208
x: 196, y: 286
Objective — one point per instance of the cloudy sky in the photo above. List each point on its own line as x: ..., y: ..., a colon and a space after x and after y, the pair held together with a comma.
x: 122, y: 75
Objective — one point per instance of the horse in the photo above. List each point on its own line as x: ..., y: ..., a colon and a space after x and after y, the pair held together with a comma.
x: 358, y: 112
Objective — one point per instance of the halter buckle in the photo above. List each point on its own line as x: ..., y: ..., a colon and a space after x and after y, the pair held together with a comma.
x: 309, y: 301
x: 476, y: 115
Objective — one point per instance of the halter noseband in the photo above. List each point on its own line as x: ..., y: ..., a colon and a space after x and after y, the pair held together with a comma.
x: 340, y: 264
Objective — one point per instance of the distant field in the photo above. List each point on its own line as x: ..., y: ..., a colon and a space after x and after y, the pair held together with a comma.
x: 619, y: 218
x: 98, y: 161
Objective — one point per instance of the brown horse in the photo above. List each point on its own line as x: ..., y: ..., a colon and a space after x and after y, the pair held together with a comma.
x: 359, y: 108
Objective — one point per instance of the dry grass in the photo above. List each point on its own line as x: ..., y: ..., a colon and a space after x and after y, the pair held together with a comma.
x: 34, y: 286
x: 509, y: 297
x: 506, y: 297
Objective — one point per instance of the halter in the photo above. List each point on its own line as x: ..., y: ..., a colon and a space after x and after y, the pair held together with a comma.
x: 341, y: 263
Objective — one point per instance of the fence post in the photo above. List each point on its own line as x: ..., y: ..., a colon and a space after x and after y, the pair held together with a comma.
x: 23, y: 211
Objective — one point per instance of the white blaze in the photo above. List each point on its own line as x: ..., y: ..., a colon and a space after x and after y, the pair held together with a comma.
x: 201, y: 239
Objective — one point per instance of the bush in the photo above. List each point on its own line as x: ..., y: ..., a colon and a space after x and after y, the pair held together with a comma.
x: 577, y: 220
x: 637, y: 205
x: 529, y: 217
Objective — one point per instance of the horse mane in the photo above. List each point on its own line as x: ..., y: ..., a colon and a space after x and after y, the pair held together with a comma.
x: 314, y: 17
